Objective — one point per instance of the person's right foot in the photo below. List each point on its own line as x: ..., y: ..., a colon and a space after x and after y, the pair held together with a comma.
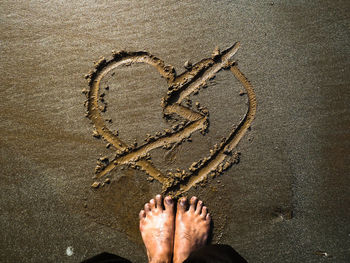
x: 191, y: 228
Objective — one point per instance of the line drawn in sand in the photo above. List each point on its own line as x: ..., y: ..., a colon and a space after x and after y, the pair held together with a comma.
x: 175, y: 102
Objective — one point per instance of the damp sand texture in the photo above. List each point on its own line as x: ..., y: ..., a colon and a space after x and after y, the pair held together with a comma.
x: 283, y: 200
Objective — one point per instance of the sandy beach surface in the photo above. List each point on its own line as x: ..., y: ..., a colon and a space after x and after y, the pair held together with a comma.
x: 286, y: 200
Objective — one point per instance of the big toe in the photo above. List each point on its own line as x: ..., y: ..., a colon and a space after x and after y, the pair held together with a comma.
x: 169, y: 204
x: 182, y: 205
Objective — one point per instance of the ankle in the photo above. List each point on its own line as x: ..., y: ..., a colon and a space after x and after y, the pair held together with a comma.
x: 159, y: 260
x: 179, y: 258
x: 164, y: 257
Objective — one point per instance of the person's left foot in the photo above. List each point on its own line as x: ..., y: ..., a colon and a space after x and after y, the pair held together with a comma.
x: 192, y: 226
x: 157, y: 229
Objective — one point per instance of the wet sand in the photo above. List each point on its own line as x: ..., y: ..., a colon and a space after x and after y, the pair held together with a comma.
x: 284, y: 201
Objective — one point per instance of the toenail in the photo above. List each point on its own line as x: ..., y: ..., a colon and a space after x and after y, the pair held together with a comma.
x: 169, y: 200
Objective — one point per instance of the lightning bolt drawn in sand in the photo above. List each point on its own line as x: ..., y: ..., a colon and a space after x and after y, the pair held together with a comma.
x: 179, y: 89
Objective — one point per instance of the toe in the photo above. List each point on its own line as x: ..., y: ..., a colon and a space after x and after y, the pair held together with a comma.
x: 204, y: 211
x: 208, y: 218
x: 169, y: 204
x: 199, y: 207
x: 147, y: 208
x: 142, y: 214
x: 152, y: 204
x: 159, y: 202
x: 193, y: 203
x: 182, y: 205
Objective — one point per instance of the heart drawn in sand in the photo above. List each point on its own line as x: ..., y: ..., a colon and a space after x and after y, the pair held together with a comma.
x: 179, y: 89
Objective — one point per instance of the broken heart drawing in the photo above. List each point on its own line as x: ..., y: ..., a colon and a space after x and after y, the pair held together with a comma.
x: 175, y: 102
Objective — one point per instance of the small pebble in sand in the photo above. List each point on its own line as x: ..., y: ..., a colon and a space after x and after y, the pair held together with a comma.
x: 242, y: 92
x: 95, y: 184
x: 216, y: 52
x: 96, y: 135
x: 104, y: 159
x: 150, y: 179
x: 69, y: 251
x: 188, y: 65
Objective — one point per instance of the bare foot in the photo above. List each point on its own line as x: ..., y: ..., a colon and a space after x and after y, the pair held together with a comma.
x: 157, y: 229
x: 191, y: 228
